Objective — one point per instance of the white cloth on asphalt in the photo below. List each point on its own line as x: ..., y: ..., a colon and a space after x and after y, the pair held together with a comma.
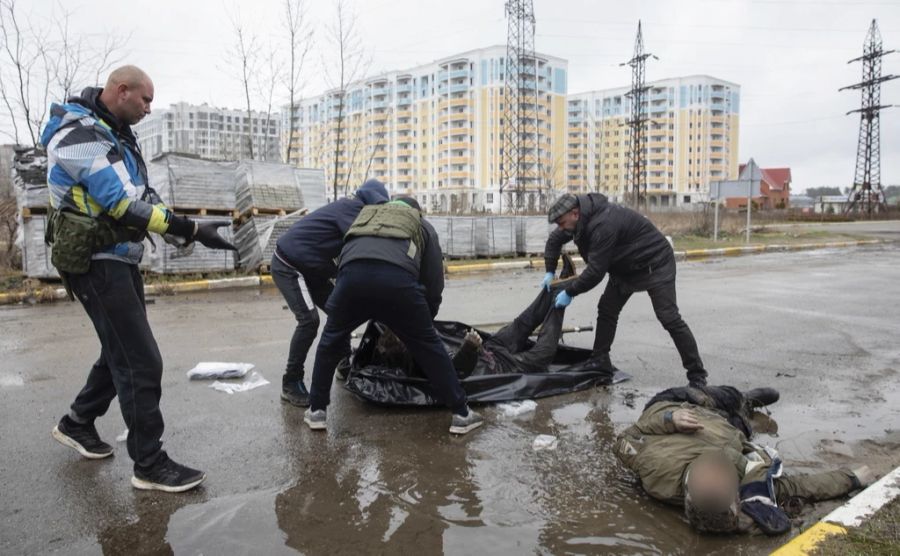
x: 206, y: 370
x: 514, y: 409
x: 544, y: 442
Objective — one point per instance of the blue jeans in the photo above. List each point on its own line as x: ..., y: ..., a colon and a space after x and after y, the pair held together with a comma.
x: 384, y: 292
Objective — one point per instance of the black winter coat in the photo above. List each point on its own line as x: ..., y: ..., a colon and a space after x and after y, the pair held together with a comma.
x: 611, y: 239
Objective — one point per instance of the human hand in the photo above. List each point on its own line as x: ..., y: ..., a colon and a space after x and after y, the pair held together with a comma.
x: 208, y: 235
x: 685, y: 421
x: 545, y: 283
x: 562, y: 300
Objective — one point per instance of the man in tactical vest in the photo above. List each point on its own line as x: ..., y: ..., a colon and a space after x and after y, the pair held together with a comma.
x: 691, y: 448
x: 304, y: 267
x: 391, y: 271
x: 102, y: 209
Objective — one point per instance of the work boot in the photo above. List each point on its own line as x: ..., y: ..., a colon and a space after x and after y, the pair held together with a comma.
x: 759, y: 397
x: 602, y: 363
x: 166, y: 475
x: 461, y: 424
x: 81, y: 438
x: 315, y: 419
x: 295, y: 393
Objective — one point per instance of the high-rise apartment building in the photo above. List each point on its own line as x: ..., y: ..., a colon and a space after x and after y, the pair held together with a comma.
x: 691, y: 139
x: 211, y: 133
x: 433, y: 132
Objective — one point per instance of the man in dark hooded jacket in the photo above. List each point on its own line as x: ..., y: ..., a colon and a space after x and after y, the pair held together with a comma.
x: 304, y: 267
x: 618, y: 241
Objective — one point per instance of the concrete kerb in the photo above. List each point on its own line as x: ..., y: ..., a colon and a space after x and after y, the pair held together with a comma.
x: 852, y: 514
x: 453, y: 268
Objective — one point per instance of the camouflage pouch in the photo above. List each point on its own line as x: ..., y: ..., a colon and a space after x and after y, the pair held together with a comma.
x: 73, y: 237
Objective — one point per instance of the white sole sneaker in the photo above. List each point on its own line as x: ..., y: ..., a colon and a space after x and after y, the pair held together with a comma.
x: 315, y: 425
x: 66, y: 441
x: 141, y: 484
x: 465, y: 429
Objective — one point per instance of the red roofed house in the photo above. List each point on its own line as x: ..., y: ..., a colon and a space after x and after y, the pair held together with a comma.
x: 774, y: 186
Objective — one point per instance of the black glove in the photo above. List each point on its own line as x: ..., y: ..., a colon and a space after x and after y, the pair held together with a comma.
x: 208, y: 235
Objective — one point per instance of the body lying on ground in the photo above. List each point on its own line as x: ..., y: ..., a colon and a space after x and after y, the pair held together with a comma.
x: 691, y: 448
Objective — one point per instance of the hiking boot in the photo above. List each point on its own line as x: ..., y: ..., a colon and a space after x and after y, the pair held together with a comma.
x: 81, y: 438
x: 759, y: 397
x: 167, y: 476
x: 295, y: 393
x: 315, y: 419
x: 463, y: 424
x: 342, y: 369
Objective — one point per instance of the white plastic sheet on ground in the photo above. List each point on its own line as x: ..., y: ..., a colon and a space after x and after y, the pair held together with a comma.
x: 254, y: 381
x: 515, y: 409
x: 206, y: 370
x: 544, y: 442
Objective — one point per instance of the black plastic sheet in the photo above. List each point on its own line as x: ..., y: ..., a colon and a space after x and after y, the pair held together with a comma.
x: 398, y: 382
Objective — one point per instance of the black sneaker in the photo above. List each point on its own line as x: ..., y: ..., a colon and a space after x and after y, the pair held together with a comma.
x: 82, y: 438
x: 295, y: 393
x: 167, y: 476
x: 759, y: 397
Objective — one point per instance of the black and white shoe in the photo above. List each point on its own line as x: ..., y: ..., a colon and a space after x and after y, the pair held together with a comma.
x: 463, y: 424
x: 167, y: 476
x: 315, y: 420
x: 81, y: 438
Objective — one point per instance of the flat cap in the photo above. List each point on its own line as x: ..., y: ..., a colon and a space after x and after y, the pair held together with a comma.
x: 562, y: 205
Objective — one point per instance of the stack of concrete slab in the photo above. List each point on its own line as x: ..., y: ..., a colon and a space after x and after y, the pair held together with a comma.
x: 166, y: 259
x: 495, y: 236
x: 35, y: 253
x: 256, y: 237
x: 268, y: 186
x: 29, y: 182
x: 531, y: 234
x: 456, y: 235
x: 190, y: 183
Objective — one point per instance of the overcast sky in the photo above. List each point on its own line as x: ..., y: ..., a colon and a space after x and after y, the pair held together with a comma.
x: 789, y: 56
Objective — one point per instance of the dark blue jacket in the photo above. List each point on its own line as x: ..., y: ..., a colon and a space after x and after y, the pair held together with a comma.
x: 314, y: 243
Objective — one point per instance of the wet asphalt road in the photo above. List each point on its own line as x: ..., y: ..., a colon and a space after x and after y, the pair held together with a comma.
x: 821, y: 326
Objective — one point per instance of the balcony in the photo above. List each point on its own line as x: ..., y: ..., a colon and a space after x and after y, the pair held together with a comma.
x: 459, y: 87
x: 459, y: 131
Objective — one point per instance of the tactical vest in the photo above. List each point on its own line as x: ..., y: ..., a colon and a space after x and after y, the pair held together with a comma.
x: 395, y: 220
x: 75, y: 237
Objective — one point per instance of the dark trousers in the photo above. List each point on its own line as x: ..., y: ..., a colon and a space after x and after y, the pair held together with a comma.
x: 660, y: 285
x: 129, y: 365
x: 514, y: 336
x: 303, y: 293
x: 380, y: 291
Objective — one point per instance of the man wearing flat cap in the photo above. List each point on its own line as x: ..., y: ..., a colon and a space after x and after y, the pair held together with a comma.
x: 618, y: 241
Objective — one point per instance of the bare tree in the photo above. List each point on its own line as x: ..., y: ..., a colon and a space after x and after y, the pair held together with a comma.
x: 349, y: 64
x: 243, y: 52
x: 25, y: 57
x: 299, y: 36
x: 267, y: 79
x: 44, y: 62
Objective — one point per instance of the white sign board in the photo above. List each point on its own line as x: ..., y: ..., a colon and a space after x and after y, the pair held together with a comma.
x: 734, y: 188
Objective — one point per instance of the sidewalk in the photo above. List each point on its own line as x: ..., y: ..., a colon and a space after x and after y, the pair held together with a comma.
x: 453, y: 267
x: 853, y: 514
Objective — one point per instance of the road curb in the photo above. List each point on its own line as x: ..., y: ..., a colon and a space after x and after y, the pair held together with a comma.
x: 852, y: 514
x: 255, y: 281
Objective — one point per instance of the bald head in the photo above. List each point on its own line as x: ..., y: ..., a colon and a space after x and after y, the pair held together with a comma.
x: 128, y: 94
x: 132, y: 76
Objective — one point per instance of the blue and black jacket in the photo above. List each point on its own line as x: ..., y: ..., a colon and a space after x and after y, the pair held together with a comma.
x: 95, y: 168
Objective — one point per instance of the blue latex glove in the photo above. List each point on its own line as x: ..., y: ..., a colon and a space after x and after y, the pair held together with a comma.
x: 545, y: 283
x: 562, y: 300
